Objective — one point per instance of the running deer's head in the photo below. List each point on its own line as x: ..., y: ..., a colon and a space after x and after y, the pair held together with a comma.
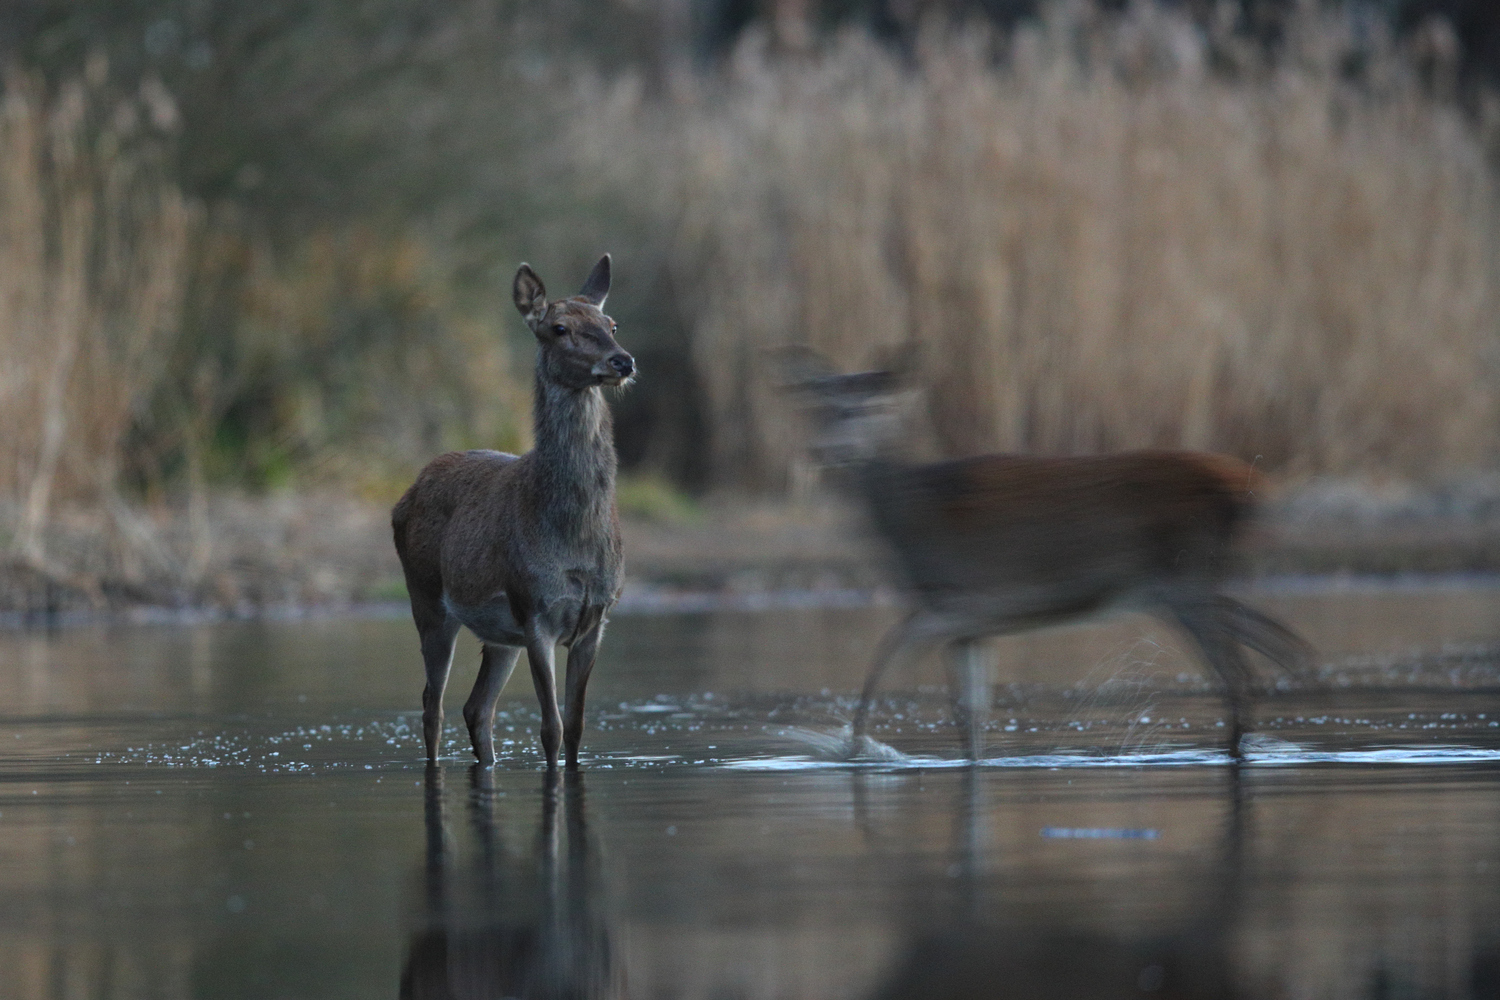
x: 577, y: 340
x: 855, y: 418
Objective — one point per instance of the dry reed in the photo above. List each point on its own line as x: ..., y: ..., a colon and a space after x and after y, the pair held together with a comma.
x: 93, y: 240
x: 1097, y: 243
x: 140, y: 341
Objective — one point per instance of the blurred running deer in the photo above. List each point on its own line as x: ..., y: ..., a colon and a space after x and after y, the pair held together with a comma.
x: 1000, y: 544
x: 525, y: 551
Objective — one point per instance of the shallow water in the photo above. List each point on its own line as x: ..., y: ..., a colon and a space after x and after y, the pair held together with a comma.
x: 240, y: 810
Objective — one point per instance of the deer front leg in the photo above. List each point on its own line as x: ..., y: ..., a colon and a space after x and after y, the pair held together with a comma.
x: 495, y: 667
x: 540, y: 646
x: 580, y: 664
x: 438, y: 633
x: 898, y: 641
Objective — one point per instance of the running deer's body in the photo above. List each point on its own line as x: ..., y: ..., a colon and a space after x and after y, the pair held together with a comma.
x: 525, y: 551
x: 1000, y: 544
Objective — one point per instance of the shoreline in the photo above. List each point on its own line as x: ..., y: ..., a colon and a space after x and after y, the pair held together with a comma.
x: 292, y: 557
x: 642, y: 598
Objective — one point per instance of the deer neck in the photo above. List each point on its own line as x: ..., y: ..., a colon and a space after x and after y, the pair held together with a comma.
x: 576, y: 458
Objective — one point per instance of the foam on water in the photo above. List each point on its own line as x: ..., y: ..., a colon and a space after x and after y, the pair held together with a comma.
x: 1284, y: 755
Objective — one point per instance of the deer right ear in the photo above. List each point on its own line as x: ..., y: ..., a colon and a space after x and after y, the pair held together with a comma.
x: 530, y: 295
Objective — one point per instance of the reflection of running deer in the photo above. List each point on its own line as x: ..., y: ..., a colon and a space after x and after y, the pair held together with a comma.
x: 524, y: 551
x: 1004, y: 543
x: 1189, y: 953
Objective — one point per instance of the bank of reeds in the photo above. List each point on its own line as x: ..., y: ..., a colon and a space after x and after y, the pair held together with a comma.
x: 1098, y: 241
x: 1101, y: 231
x: 153, y: 353
x: 93, y: 236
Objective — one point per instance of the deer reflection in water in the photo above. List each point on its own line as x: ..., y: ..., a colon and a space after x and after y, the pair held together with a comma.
x: 523, y: 925
x: 980, y: 952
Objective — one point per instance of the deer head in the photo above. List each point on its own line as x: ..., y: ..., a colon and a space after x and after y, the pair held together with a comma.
x: 854, y: 418
x: 577, y: 340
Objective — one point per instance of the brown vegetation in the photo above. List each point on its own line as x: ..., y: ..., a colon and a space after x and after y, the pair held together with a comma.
x: 1104, y: 231
x: 1098, y: 244
x: 92, y: 243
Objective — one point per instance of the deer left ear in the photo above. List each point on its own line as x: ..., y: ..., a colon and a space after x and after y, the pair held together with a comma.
x: 596, y: 288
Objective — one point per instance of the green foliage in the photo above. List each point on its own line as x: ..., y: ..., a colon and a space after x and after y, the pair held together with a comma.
x: 651, y: 498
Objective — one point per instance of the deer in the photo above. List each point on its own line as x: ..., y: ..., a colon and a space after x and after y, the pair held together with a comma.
x: 525, y: 551
x: 999, y: 544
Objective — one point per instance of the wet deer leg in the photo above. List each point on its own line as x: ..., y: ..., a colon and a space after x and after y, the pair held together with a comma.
x: 903, y: 638
x: 969, y: 686
x: 540, y: 650
x: 1204, y: 622
x: 580, y: 664
x: 438, y: 632
x: 495, y: 667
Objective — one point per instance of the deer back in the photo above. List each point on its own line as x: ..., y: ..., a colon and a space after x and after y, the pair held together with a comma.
x: 1095, y: 523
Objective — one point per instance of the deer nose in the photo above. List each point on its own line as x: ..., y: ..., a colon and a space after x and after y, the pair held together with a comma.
x: 622, y: 363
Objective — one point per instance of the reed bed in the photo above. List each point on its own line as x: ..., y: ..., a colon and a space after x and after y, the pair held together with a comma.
x: 93, y: 240
x: 1100, y: 231
x: 154, y: 352
x: 1095, y: 242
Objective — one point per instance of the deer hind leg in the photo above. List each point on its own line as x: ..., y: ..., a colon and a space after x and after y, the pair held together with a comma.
x: 969, y: 685
x: 495, y: 667
x: 437, y: 631
x: 581, y: 657
x: 1268, y: 637
x: 541, y: 646
x: 1209, y: 624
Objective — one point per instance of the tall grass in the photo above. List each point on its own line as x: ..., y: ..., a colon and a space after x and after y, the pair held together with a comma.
x: 152, y: 350
x: 1101, y: 231
x: 1096, y: 242
x: 93, y: 238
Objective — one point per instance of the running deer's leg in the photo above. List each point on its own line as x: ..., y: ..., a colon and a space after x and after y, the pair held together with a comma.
x: 1267, y: 636
x: 969, y: 685
x: 904, y: 638
x: 1204, y: 620
x: 541, y: 647
x: 437, y: 630
x: 496, y: 664
x: 580, y: 664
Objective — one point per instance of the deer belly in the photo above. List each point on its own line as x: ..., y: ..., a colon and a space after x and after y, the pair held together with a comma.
x: 492, y: 621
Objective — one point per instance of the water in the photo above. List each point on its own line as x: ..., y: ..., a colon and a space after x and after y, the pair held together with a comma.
x: 241, y: 810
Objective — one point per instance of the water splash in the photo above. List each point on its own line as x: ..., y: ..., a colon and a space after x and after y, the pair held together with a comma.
x: 840, y: 746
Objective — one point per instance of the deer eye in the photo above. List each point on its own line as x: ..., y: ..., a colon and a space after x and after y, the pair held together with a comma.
x: 559, y: 329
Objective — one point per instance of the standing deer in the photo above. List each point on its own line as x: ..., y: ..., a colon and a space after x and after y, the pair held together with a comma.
x: 525, y: 551
x: 1000, y: 544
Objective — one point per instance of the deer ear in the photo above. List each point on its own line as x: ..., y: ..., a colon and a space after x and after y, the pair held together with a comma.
x: 596, y: 288
x: 530, y: 294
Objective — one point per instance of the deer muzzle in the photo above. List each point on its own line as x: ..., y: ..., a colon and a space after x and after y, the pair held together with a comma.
x: 615, y: 369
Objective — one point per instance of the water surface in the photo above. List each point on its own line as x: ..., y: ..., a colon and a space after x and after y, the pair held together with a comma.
x: 240, y: 809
